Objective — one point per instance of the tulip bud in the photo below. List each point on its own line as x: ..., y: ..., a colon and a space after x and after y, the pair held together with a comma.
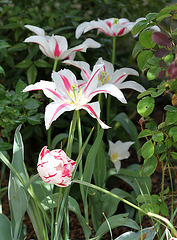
x: 55, y: 167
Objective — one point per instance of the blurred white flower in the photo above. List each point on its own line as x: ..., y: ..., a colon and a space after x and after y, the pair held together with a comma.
x: 119, y: 151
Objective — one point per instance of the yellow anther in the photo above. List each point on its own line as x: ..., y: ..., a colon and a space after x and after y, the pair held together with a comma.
x: 116, y: 20
x: 114, y: 156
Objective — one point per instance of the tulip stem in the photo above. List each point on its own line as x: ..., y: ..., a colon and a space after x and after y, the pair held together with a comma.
x: 49, y: 133
x: 113, y: 50
x: 113, y: 62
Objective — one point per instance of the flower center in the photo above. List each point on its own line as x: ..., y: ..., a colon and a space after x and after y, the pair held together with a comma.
x: 104, y: 78
x: 116, y: 20
x: 114, y: 156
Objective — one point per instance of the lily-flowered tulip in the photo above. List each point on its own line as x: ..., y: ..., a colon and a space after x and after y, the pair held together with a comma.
x: 111, y: 27
x: 119, y: 151
x: 69, y: 94
x: 56, y: 47
x: 55, y: 167
x: 107, y: 75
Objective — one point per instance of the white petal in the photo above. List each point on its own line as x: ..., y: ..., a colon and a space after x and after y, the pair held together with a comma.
x: 120, y: 75
x: 80, y: 29
x: 90, y: 43
x: 94, y: 110
x: 39, y: 31
x: 109, y: 89
x: 117, y: 165
x: 107, y: 66
x: 93, y: 80
x: 58, y: 45
x: 44, y: 45
x: 83, y: 66
x: 133, y: 85
x: 101, y: 25
x: 54, y: 110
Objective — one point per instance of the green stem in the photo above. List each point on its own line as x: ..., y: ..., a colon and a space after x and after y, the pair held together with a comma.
x: 62, y: 214
x: 113, y: 50
x: 80, y: 142
x: 171, y: 181
x: 150, y: 214
x: 113, y: 62
x: 49, y: 133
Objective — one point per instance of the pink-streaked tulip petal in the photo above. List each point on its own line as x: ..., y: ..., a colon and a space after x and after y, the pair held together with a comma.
x: 94, y: 110
x: 93, y: 80
x: 132, y: 85
x: 107, y: 66
x: 37, y: 30
x: 120, y: 75
x: 55, y: 167
x: 83, y: 66
x: 58, y: 45
x: 44, y: 45
x: 100, y: 25
x: 109, y: 89
x: 64, y: 80
x: 54, y: 110
x: 80, y: 29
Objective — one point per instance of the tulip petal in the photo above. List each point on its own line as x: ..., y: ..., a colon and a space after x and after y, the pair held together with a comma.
x: 132, y: 85
x: 54, y: 110
x: 58, y: 45
x: 110, y: 89
x: 80, y: 29
x: 94, y: 110
x: 37, y: 30
x: 117, y: 165
x: 120, y: 75
x: 83, y: 66
x: 44, y: 45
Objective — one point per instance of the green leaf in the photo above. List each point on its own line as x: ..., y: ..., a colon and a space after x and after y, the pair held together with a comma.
x: 146, y: 233
x: 170, y: 108
x: 130, y: 128
x: 173, y: 133
x: 164, y: 209
x: 5, y: 228
x: 5, y: 146
x: 18, y: 204
x: 115, y: 221
x: 160, y: 18
x: 145, y: 106
x: 145, y: 39
x: 18, y: 47
x: 24, y: 64
x: 58, y: 138
x: 171, y: 118
x: 160, y: 148
x: 145, y: 133
x: 40, y: 63
x: 153, y: 72
x: 31, y: 104
x: 151, y: 16
x: 32, y: 74
x: 137, y: 48
x: 36, y: 119
x: 150, y: 165
x: 90, y: 161
x: 173, y: 155
x: 4, y: 44
x: 139, y: 26
x: 20, y: 86
x: 143, y: 58
x: 2, y: 71
x: 74, y: 207
x: 158, y: 137
x: 147, y: 149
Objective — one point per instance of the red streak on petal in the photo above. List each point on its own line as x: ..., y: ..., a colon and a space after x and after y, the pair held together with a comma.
x: 91, y: 110
x: 50, y: 176
x: 44, y: 152
x: 66, y: 83
x: 121, y: 32
x: 55, y: 93
x: 119, y: 78
x: 57, y: 51
x: 91, y: 80
x: 86, y: 74
x: 58, y: 109
x: 109, y: 24
x: 41, y: 164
